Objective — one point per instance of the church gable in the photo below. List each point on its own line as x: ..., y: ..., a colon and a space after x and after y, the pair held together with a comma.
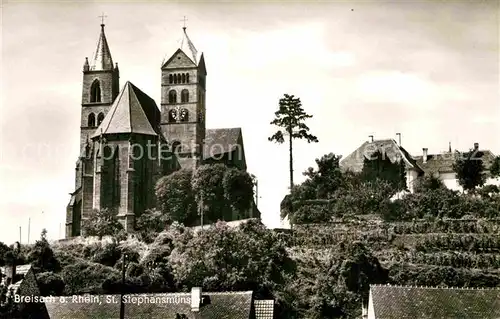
x: 225, y: 144
x: 179, y: 60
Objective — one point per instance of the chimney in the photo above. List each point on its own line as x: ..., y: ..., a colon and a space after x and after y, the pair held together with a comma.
x: 371, y: 138
x: 424, y: 157
x: 10, y: 273
x: 195, y: 299
x: 476, y: 146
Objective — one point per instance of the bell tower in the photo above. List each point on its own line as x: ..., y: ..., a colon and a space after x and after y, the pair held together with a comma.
x: 183, y: 79
x: 99, y: 90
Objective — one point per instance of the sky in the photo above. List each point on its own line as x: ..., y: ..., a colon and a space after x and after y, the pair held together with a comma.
x: 426, y: 69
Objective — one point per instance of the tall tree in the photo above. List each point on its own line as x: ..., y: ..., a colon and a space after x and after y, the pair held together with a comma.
x: 290, y: 117
x: 469, y: 169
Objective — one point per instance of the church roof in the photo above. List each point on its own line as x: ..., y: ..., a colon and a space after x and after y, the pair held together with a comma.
x: 102, y: 57
x: 220, y: 141
x: 219, y: 305
x: 133, y: 111
x: 187, y: 47
x: 401, y: 302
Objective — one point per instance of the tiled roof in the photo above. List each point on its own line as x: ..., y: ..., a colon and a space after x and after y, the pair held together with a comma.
x: 102, y: 57
x: 20, y: 269
x: 222, y: 305
x: 388, y: 147
x: 133, y: 111
x: 264, y: 309
x: 443, y: 163
x: 220, y: 141
x: 396, y: 302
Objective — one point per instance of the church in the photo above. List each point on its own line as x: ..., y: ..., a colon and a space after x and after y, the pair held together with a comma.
x: 127, y: 143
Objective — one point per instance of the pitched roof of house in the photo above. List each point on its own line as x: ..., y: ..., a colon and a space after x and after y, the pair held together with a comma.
x: 401, y: 302
x: 133, y: 111
x: 443, y: 163
x: 221, y: 141
x: 219, y: 305
x: 388, y: 147
x: 102, y: 57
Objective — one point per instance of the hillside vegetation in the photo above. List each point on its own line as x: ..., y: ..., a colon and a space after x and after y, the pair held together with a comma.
x: 347, y: 234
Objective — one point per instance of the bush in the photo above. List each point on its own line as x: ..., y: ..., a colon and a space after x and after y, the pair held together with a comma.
x: 50, y: 284
x: 86, y: 277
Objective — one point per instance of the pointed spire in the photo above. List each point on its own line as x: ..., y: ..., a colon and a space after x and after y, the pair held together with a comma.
x: 449, y: 147
x: 190, y: 46
x: 86, y: 64
x: 102, y: 58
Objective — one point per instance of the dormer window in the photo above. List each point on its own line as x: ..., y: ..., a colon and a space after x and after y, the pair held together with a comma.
x: 95, y: 92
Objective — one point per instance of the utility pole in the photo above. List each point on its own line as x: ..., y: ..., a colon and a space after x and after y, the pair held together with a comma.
x: 201, y: 212
x: 122, y: 305
x: 256, y: 192
x: 19, y: 235
x: 29, y: 223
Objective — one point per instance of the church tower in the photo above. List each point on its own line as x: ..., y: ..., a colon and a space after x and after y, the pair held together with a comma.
x: 99, y: 90
x: 183, y: 79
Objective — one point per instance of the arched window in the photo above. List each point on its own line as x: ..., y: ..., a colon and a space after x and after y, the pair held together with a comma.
x: 184, y: 115
x: 100, y: 117
x: 176, y: 147
x: 171, y: 78
x: 172, y: 97
x: 172, y: 116
x: 184, y: 96
x: 183, y: 77
x: 175, y: 78
x: 95, y: 92
x: 187, y: 78
x: 91, y: 120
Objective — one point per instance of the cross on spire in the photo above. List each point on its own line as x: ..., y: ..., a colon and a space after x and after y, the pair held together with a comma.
x: 184, y: 21
x: 102, y: 16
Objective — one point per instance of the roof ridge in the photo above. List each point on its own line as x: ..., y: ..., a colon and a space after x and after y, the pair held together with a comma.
x: 435, y: 287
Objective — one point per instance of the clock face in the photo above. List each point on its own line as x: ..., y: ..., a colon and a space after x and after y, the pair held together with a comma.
x: 183, y: 114
x: 174, y: 114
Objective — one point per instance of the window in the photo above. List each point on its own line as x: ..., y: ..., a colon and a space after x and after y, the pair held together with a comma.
x: 183, y: 77
x: 172, y: 97
x: 171, y: 78
x: 95, y: 92
x: 100, y: 117
x: 187, y: 78
x: 175, y: 78
x: 91, y: 120
x: 185, y: 96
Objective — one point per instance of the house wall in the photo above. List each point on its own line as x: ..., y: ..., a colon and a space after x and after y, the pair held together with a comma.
x: 371, y: 310
x: 450, y: 181
x: 411, y: 177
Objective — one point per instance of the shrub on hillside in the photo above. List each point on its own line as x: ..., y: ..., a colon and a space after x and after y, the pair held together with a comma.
x: 86, y: 277
x: 50, y: 284
x: 101, y: 223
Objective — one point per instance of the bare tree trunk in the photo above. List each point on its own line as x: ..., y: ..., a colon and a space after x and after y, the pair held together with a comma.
x: 291, y: 160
